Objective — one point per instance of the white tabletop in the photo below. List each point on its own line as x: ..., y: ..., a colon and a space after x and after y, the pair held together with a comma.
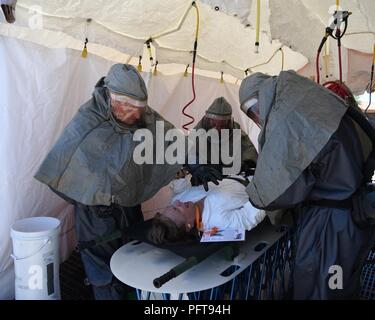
x: 137, y: 264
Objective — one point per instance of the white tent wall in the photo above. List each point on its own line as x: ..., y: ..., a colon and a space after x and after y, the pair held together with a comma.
x: 41, y: 89
x: 359, y: 64
x: 356, y: 66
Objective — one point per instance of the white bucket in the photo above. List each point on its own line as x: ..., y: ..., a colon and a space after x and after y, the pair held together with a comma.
x: 36, y: 258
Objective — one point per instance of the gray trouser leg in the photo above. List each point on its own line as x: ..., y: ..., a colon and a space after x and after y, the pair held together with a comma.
x: 97, y: 221
x: 329, y: 255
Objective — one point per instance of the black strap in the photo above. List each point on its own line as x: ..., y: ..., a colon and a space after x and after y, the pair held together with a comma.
x: 341, y: 204
x: 82, y: 245
x: 244, y: 182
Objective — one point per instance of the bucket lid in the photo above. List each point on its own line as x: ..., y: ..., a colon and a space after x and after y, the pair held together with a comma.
x: 35, y: 227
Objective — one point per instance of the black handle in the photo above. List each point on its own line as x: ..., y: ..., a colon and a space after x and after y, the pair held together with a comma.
x: 174, y: 272
x: 158, y: 282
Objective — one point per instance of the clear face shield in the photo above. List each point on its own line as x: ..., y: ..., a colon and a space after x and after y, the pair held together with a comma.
x: 218, y: 122
x: 251, y: 108
x: 126, y: 109
x: 123, y: 99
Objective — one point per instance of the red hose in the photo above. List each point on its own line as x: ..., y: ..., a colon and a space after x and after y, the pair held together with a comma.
x: 340, y: 62
x: 338, y: 36
x: 317, y: 67
x: 185, y: 126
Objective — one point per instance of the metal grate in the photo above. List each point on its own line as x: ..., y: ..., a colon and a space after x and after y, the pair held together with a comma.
x: 72, y: 276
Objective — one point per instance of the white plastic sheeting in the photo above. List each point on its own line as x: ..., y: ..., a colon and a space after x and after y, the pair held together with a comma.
x: 41, y: 89
x: 126, y: 25
x: 227, y: 29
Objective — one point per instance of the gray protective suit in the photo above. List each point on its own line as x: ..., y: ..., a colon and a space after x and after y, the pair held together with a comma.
x: 221, y: 107
x: 92, y: 166
x: 310, y: 151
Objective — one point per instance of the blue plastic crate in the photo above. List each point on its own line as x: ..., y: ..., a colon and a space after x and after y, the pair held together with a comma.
x: 368, y: 278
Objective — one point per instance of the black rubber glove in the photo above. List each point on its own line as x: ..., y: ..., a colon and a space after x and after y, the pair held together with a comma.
x: 248, y: 168
x: 202, y: 174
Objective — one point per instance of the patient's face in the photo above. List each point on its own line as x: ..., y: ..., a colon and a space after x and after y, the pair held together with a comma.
x: 182, y: 213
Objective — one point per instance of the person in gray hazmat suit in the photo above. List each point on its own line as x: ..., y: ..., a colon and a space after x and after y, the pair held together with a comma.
x: 92, y: 166
x: 311, y: 159
x: 219, y: 116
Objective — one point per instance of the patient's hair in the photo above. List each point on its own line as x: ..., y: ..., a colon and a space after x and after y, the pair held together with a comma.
x: 164, y: 230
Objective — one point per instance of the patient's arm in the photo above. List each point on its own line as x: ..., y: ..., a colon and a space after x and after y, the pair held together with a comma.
x: 200, y: 205
x: 229, y: 208
x: 179, y: 185
x: 246, y: 217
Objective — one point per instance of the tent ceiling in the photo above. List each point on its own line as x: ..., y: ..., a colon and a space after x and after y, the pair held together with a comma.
x: 226, y: 34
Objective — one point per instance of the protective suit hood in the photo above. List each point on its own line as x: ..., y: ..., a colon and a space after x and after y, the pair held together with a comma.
x: 298, y: 117
x: 220, y: 107
x: 250, y: 88
x: 125, y: 79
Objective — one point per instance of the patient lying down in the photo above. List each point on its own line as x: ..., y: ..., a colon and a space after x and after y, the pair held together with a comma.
x: 192, y: 208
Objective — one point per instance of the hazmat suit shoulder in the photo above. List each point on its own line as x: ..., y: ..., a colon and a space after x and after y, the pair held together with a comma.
x: 92, y: 161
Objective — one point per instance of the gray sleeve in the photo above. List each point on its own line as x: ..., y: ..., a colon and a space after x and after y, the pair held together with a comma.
x: 335, y: 173
x: 296, y: 193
